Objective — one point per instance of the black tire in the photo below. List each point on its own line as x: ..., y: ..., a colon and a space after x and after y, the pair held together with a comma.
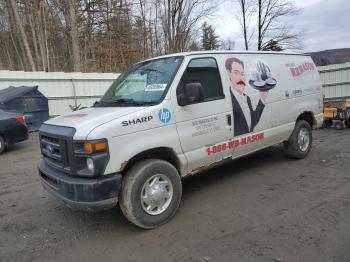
x: 2, y: 144
x: 328, y: 123
x: 293, y: 147
x: 347, y: 123
x: 132, y: 189
x: 339, y: 125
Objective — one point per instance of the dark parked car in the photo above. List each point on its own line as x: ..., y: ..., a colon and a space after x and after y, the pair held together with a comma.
x: 13, y: 129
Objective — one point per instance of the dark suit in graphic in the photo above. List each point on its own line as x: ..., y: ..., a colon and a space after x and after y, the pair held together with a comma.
x: 239, y: 120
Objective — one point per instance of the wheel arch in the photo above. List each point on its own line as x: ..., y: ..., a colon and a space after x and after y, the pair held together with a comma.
x: 309, y: 117
x: 163, y: 153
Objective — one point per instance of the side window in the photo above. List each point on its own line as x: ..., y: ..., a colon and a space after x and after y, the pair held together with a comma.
x: 206, y: 72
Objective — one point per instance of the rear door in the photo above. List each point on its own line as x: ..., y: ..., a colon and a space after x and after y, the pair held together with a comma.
x: 204, y: 128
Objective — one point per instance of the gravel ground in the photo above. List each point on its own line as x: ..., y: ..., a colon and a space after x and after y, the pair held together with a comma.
x: 263, y: 207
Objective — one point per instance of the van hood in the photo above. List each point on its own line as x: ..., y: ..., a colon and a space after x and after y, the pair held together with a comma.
x: 88, y: 119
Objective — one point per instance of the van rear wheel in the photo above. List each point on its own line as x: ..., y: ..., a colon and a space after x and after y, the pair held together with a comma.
x: 151, y: 193
x: 299, y: 144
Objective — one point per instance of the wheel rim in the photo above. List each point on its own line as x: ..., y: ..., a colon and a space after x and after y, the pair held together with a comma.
x: 303, y: 139
x: 156, y: 194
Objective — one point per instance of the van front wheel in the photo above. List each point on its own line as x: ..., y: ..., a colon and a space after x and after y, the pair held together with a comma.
x: 299, y: 143
x: 151, y: 193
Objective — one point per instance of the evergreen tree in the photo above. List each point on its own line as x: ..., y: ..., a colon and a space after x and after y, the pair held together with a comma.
x: 209, y: 38
x: 272, y: 45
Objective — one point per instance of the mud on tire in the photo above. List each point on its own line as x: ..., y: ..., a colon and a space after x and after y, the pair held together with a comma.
x: 140, y: 180
x: 299, y: 144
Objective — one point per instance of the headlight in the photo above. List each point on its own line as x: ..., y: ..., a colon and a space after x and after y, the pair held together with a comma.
x: 90, y: 165
x: 91, y: 157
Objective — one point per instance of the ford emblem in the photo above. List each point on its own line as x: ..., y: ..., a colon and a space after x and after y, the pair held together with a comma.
x: 50, y: 149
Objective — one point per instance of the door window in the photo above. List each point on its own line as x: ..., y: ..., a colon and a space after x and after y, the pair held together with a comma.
x: 206, y: 72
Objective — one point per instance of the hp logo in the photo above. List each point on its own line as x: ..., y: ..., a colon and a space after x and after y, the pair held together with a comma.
x: 164, y: 115
x: 50, y: 149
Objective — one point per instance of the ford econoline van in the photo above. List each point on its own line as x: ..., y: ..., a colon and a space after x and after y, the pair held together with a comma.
x: 176, y: 115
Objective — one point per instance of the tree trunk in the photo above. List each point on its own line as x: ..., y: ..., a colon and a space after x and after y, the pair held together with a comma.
x: 35, y: 42
x: 47, y: 57
x: 17, y: 52
x: 23, y: 36
x: 170, y: 47
x: 259, y: 25
x: 41, y: 36
x: 244, y: 9
x: 74, y: 36
x: 29, y: 9
x: 1, y: 64
x: 9, y: 57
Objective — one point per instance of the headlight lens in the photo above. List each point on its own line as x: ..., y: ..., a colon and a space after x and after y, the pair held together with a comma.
x: 90, y: 165
x: 91, y: 157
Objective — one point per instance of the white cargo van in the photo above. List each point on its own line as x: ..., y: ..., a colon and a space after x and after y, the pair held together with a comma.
x: 173, y: 116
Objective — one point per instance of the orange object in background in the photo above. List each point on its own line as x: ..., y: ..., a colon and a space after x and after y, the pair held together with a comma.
x: 330, y: 112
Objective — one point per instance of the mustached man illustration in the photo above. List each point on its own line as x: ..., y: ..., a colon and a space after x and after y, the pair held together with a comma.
x: 244, y: 120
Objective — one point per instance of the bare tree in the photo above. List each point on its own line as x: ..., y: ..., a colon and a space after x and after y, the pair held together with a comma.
x: 72, y: 16
x: 270, y: 26
x: 179, y: 21
x: 13, y: 7
x: 96, y: 35
x: 270, y: 17
x: 247, y: 10
x: 227, y: 44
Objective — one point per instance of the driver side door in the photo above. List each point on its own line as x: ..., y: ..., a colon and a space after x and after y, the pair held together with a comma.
x: 205, y: 127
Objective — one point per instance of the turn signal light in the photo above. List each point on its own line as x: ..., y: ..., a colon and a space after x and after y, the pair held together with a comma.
x: 88, y: 147
x: 100, y: 146
x: 94, y: 146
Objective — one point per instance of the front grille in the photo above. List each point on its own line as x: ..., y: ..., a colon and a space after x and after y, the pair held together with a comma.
x: 56, y: 143
x: 54, y: 150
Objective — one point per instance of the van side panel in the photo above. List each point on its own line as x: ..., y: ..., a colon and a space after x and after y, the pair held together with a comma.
x: 294, y: 88
x: 143, y: 130
x: 141, y: 141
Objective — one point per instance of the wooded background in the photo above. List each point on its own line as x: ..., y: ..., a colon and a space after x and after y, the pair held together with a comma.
x: 110, y: 35
x: 95, y: 35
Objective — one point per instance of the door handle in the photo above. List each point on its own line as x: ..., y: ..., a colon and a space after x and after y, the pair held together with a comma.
x: 229, y: 119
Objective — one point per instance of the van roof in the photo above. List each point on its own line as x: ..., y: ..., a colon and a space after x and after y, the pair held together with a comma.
x: 226, y: 52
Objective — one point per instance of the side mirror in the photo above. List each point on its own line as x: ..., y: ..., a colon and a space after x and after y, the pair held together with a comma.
x: 191, y: 93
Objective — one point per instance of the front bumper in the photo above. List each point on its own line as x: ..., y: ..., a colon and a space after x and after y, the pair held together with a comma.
x: 89, y: 194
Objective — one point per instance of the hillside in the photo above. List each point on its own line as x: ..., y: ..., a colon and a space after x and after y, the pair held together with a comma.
x: 334, y: 56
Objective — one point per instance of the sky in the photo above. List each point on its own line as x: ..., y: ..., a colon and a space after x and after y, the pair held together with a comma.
x: 325, y: 24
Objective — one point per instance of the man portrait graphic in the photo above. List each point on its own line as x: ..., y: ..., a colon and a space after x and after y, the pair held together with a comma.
x: 244, y: 120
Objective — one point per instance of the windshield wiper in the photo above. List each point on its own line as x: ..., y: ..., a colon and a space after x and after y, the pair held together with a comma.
x: 123, y: 101
x: 133, y: 102
x: 100, y: 104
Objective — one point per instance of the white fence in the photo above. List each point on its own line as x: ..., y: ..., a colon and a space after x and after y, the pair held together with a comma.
x: 335, y: 80
x: 62, y: 89
x: 65, y: 89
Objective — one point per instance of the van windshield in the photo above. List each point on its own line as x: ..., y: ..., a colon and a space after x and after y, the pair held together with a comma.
x: 144, y: 84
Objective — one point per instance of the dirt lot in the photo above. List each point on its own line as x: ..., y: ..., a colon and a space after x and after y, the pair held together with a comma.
x: 264, y: 207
